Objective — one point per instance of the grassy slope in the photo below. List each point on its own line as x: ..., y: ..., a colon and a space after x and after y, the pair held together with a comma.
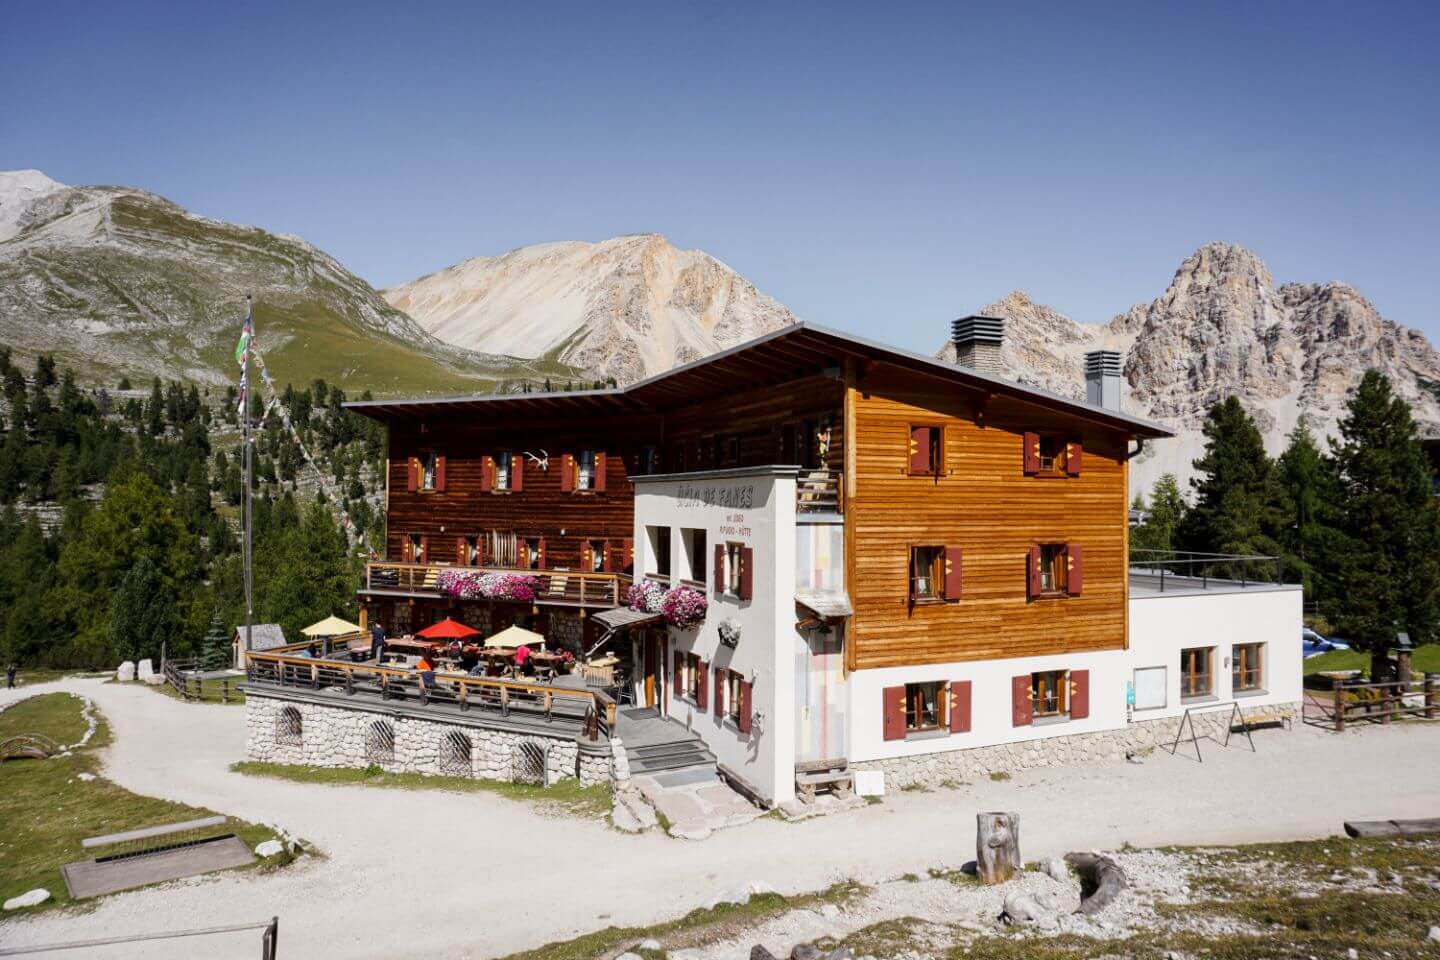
x: 1425, y: 659
x: 46, y: 810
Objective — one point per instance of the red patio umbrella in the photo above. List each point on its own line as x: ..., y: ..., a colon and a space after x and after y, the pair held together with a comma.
x: 447, y: 629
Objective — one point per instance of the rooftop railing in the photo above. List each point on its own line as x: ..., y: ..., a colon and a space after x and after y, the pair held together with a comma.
x: 557, y: 587
x: 1185, y: 570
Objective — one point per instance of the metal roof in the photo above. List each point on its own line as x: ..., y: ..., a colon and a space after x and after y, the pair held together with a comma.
x: 263, y: 636
x: 799, y: 349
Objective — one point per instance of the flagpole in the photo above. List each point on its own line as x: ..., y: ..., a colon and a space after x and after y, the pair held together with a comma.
x: 249, y: 464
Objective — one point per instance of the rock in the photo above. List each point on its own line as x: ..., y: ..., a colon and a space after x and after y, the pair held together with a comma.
x: 651, y: 944
x: 1023, y: 908
x: 87, y: 777
x: 1352, y: 954
x: 829, y: 911
x: 805, y: 951
x: 1433, y: 935
x: 758, y: 952
x: 126, y: 673
x: 269, y: 848
x: 144, y: 669
x: 625, y: 821
x: 627, y: 955
x: 841, y: 953
x: 1056, y: 869
x: 691, y: 830
x: 32, y: 898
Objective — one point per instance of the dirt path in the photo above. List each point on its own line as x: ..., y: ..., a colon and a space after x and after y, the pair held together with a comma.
x: 432, y: 874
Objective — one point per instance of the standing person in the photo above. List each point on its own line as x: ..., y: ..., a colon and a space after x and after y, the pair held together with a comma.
x: 377, y: 641
x: 10, y: 676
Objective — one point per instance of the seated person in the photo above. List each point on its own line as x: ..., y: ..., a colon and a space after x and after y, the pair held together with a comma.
x: 426, y: 669
x: 522, y: 660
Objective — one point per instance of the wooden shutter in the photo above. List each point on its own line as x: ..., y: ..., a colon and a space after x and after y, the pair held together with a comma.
x: 720, y: 692
x: 599, y: 471
x: 746, y: 712
x: 407, y: 550
x: 412, y: 474
x: 1032, y: 453
x: 462, y: 556
x: 1074, y: 569
x: 952, y: 580
x: 608, y: 562
x: 567, y: 473
x: 1021, y: 709
x: 894, y: 713
x: 543, y: 564
x: 627, y: 558
x: 424, y: 548
x: 719, y: 575
x: 439, y: 474
x: 919, y: 449
x: 960, y: 706
x: 747, y: 573
x: 1079, y: 694
x: 1074, y: 456
x: 1032, y: 573
x: 587, y: 556
x: 702, y: 673
x: 517, y: 472
x: 487, y: 474
x: 678, y: 680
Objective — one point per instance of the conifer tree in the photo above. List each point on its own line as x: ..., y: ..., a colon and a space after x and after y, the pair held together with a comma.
x: 1382, y: 571
x: 1309, y: 495
x: 1163, y: 519
x: 1239, y: 503
x: 215, y: 653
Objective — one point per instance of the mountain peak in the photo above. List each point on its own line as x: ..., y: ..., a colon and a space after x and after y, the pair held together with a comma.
x: 1220, y: 262
x: 19, y: 189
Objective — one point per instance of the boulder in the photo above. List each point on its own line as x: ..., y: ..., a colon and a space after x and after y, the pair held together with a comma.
x: 758, y: 952
x: 1056, y: 869
x: 269, y: 848
x: 32, y: 898
x: 87, y: 777
x: 145, y: 669
x: 804, y: 951
x: 126, y: 673
x: 1025, y: 908
x: 627, y: 955
x: 1433, y: 935
x: 651, y: 945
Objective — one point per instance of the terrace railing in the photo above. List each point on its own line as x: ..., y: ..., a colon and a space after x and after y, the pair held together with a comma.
x: 283, y: 668
x: 557, y: 587
x: 819, y: 491
x: 1362, y: 701
x: 1176, y: 570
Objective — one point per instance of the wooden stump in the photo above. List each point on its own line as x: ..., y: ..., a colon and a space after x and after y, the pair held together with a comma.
x: 997, y: 846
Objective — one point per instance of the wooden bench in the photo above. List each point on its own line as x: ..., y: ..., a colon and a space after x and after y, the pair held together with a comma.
x: 837, y: 781
x: 1283, y: 718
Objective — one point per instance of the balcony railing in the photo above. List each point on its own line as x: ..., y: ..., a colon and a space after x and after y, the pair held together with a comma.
x: 819, y: 491
x: 557, y: 587
x: 1174, y: 570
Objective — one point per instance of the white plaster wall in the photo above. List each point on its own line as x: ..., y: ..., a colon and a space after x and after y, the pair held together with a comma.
x: 765, y: 757
x: 1159, y: 628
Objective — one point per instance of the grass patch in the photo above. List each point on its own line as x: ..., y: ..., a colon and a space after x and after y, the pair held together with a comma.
x: 1425, y: 659
x: 567, y: 794
x: 47, y: 809
x: 1000, y: 776
x: 915, y: 788
x: 705, y: 925
x: 211, y: 691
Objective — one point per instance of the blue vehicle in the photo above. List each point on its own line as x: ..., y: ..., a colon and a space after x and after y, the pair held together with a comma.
x: 1313, y: 643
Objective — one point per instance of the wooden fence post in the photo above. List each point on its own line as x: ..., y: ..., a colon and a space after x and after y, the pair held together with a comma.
x: 1340, y: 706
x: 1432, y: 694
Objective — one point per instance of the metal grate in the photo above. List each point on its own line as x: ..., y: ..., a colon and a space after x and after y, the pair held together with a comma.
x: 380, y: 742
x: 528, y: 762
x: 455, y: 754
x: 289, y: 727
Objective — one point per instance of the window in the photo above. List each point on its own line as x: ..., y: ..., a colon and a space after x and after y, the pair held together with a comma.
x: 734, y: 561
x: 1052, y: 453
x: 1247, y: 673
x: 532, y: 553
x: 594, y: 555
x: 649, y: 460
x: 415, y: 548
x: 692, y: 675
x: 1052, y: 568
x: 1151, y: 685
x: 925, y: 707
x: 428, y: 462
x: 472, y: 552
x: 926, y: 572
x: 502, y: 470
x: 1196, y: 677
x: 585, y: 462
x: 734, y: 695
x: 730, y: 449
x: 659, y: 551
x: 694, y: 541
x: 926, y: 456
x: 1050, y: 693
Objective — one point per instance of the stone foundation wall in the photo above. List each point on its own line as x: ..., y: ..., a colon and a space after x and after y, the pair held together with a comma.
x: 355, y: 737
x: 933, y: 769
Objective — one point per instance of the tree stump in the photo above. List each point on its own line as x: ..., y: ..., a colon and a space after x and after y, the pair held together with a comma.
x: 997, y: 846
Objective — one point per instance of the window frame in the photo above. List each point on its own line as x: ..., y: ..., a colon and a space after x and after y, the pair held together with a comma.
x: 696, y: 542
x: 734, y: 552
x: 734, y: 683
x: 533, y: 555
x: 936, y: 575
x: 937, y: 450
x: 597, y: 554
x: 1061, y: 695
x: 585, y: 482
x: 659, y: 536
x: 504, y: 467
x: 1057, y: 568
x: 1257, y: 671
x: 429, y: 470
x: 691, y: 677
x: 914, y: 706
x: 1186, y: 674
x: 472, y: 550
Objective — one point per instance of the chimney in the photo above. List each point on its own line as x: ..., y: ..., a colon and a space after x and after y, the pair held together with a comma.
x: 1102, y: 379
x: 977, y: 343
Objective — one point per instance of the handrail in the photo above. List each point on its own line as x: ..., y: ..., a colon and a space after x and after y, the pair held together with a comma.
x: 575, y: 587
x: 1193, y: 568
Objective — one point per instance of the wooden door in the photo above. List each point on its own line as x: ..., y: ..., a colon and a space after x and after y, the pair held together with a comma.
x: 652, y: 667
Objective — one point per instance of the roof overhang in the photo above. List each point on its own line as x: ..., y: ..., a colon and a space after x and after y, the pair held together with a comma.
x: 825, y: 604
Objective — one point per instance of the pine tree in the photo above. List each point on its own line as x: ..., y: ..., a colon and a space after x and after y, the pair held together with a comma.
x: 1239, y: 503
x: 1308, y: 482
x: 215, y: 653
x: 1381, y: 574
x: 1163, y: 519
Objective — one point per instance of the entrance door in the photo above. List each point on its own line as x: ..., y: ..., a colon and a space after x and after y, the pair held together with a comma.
x: 652, y: 668
x: 819, y: 697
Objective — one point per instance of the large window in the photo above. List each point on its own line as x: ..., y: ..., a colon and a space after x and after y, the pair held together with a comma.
x: 585, y: 464
x: 594, y: 555
x: 926, y: 572
x: 691, y: 676
x: 734, y: 695
x: 1050, y: 693
x: 1053, y: 568
x: 659, y: 551
x: 693, y: 539
x: 926, y: 450
x: 734, y: 561
x: 429, y: 461
x: 471, y: 556
x: 502, y: 470
x: 1197, y: 678
x: 533, y: 553
x: 1247, y: 667
x: 925, y: 707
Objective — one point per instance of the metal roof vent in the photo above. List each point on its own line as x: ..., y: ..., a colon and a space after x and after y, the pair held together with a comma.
x: 977, y: 343
x: 1103, y: 379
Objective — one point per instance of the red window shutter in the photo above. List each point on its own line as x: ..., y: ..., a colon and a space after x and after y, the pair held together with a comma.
x: 702, y: 673
x: 747, y: 573
x: 425, y: 549
x: 1074, y: 456
x: 746, y: 711
x: 517, y: 472
x: 407, y: 550
x: 1021, y: 709
x: 1074, y: 569
x: 960, y: 706
x: 720, y: 692
x: 600, y: 472
x: 567, y: 473
x: 479, y: 551
x: 412, y: 474
x: 440, y: 474
x: 1079, y: 694
x: 953, y: 576
x: 919, y: 449
x: 462, y: 556
x: 627, y: 555
x: 586, y: 556
x: 608, y: 563
x: 1032, y: 573
x: 487, y: 474
x: 543, y: 564
x: 678, y: 681
x: 1032, y: 453
x: 894, y: 713
x: 719, y: 573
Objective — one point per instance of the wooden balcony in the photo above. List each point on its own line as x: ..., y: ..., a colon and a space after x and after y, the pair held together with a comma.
x: 819, y: 491
x: 565, y: 588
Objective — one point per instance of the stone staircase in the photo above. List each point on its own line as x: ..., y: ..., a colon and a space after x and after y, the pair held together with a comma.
x: 656, y: 745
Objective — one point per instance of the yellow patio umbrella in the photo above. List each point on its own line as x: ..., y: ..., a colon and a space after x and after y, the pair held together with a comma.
x: 330, y: 627
x: 515, y: 636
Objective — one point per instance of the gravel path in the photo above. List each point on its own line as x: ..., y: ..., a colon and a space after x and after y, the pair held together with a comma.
x: 411, y: 874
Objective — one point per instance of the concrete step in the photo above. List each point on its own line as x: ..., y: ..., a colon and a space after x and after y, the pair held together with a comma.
x: 678, y: 761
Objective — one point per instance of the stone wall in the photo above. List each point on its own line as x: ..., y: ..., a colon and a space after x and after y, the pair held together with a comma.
x: 332, y: 736
x: 934, y: 769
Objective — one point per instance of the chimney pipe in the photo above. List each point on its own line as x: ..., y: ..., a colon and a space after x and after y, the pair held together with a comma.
x: 1102, y: 379
x: 977, y: 343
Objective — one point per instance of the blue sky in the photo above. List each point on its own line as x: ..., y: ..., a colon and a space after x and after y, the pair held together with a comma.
x: 880, y: 168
